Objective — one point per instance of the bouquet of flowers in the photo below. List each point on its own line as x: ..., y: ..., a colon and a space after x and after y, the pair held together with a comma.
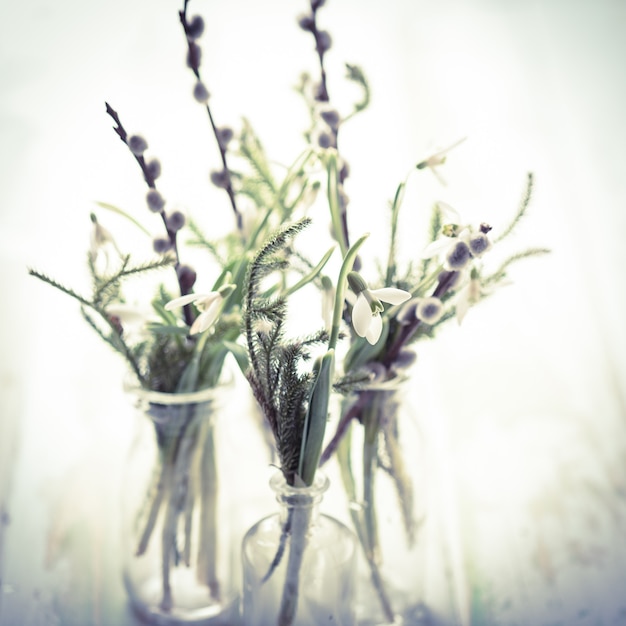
x: 363, y: 348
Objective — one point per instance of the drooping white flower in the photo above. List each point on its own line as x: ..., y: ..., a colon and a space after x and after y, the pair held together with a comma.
x: 129, y: 320
x: 437, y: 159
x: 366, y: 311
x: 467, y: 296
x: 209, y: 305
x: 101, y: 241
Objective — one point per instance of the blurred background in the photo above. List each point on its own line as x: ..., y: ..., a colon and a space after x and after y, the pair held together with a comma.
x: 529, y: 393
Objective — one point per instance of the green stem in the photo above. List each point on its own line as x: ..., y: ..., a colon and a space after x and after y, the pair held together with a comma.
x: 371, y: 424
x: 346, y: 267
x: 207, y: 553
x: 299, y: 528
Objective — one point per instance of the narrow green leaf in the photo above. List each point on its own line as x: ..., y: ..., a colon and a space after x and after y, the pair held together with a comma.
x: 132, y: 220
x: 311, y: 275
x: 240, y: 353
x: 316, y: 418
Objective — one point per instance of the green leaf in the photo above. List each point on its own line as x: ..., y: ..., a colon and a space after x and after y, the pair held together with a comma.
x: 240, y: 353
x: 132, y: 220
x: 316, y: 418
x: 312, y: 275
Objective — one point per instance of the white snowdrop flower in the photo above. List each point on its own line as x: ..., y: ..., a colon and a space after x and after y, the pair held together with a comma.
x: 129, y: 320
x: 437, y: 159
x: 467, y: 296
x: 208, y: 304
x: 366, y: 311
x: 100, y: 242
x: 458, y: 243
x: 328, y: 301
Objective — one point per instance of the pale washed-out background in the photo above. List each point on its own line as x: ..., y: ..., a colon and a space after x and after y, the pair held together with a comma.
x: 530, y: 392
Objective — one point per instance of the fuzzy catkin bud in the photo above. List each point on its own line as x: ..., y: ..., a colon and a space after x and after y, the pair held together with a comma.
x: 224, y: 136
x: 429, y: 310
x: 331, y: 117
x: 195, y: 27
x: 175, y: 221
x: 405, y: 358
x: 201, y: 93
x: 316, y: 4
x: 137, y: 144
x: 155, y: 201
x: 161, y: 245
x: 306, y: 22
x: 407, y: 312
x: 153, y: 167
x: 323, y: 41
x: 458, y: 257
x: 186, y: 277
x: 221, y: 178
x: 194, y: 54
x: 324, y: 140
x: 479, y: 243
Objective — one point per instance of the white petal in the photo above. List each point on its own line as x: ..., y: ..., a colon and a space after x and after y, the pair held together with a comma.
x: 126, y: 313
x: 206, y: 319
x: 437, y: 247
x: 205, y: 302
x: 182, y: 301
x: 449, y: 215
x: 391, y: 295
x: 463, y: 303
x: 374, y: 330
x: 361, y: 315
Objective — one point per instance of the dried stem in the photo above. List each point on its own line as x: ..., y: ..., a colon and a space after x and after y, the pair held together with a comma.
x: 220, y: 144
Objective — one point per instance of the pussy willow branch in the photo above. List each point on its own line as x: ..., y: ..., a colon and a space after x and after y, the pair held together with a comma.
x: 222, y: 148
x: 446, y: 281
x: 323, y: 96
x: 171, y: 234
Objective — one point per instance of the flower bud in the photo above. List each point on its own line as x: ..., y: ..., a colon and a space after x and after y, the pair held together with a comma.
x: 458, y: 256
x: 194, y: 54
x: 406, y: 357
x: 324, y: 140
x: 186, y: 277
x: 331, y: 117
x: 478, y: 244
x: 161, y: 245
x: 224, y: 136
x: 201, y: 93
x: 137, y: 144
x: 221, y: 178
x: 407, y: 313
x: 195, y: 27
x: 155, y: 201
x: 153, y: 167
x: 323, y: 42
x: 306, y: 22
x: 429, y: 310
x: 175, y: 221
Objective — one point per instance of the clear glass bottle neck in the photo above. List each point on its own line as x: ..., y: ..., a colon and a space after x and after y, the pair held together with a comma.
x: 290, y: 497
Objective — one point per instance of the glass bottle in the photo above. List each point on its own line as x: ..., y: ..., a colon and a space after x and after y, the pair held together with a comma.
x: 392, y: 498
x: 299, y: 565
x: 182, y: 508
